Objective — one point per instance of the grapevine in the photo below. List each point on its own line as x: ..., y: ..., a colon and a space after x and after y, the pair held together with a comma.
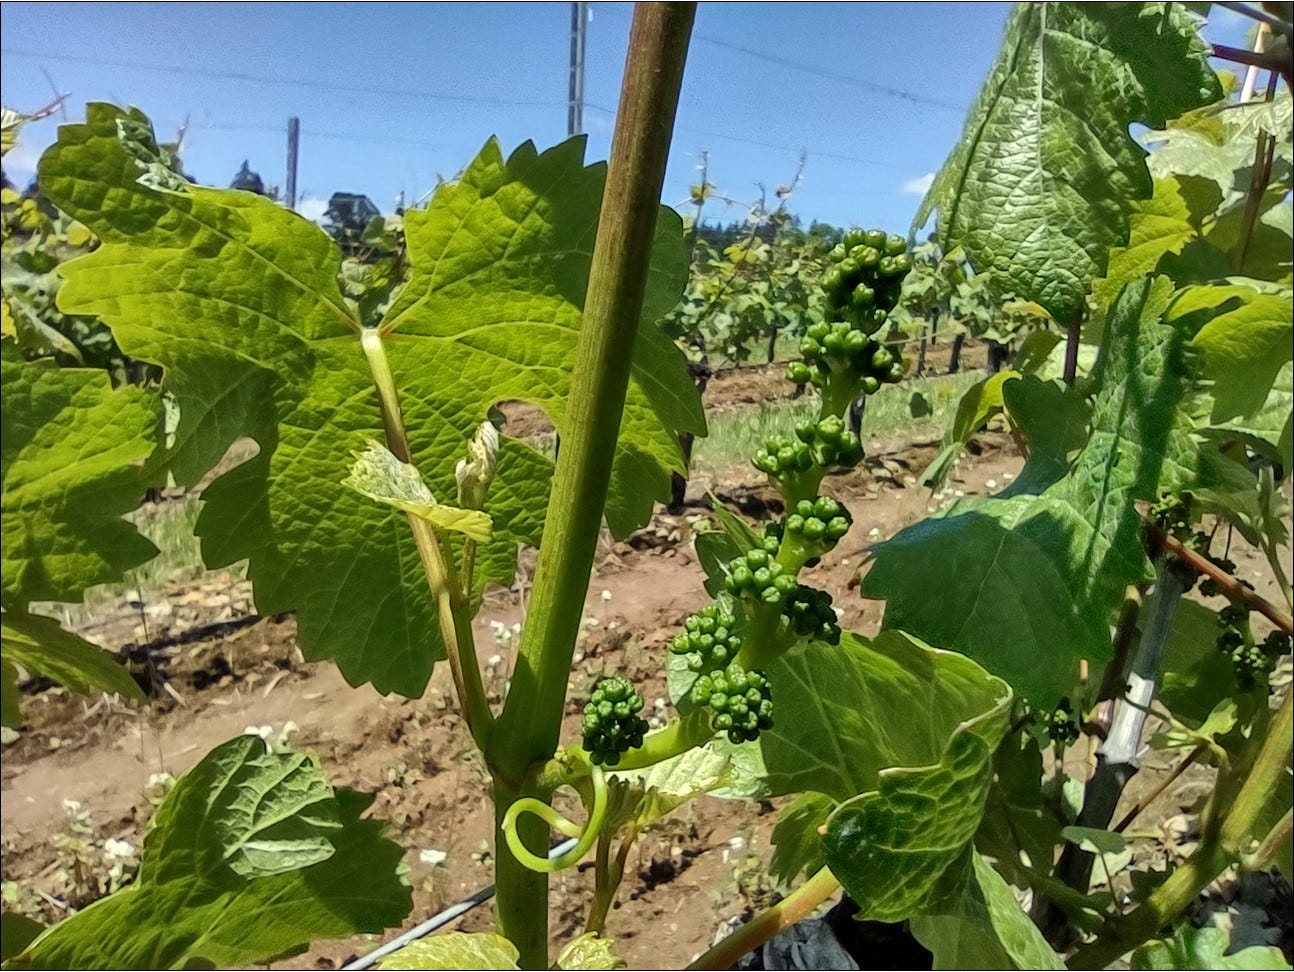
x: 157, y: 322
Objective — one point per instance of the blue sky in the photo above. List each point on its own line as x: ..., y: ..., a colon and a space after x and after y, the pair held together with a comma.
x: 391, y: 96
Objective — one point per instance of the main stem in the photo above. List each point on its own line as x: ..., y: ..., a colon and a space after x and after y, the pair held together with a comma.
x: 529, y: 726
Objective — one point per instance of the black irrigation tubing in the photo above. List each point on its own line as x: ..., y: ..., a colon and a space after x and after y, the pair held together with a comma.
x: 440, y: 920
x: 198, y: 633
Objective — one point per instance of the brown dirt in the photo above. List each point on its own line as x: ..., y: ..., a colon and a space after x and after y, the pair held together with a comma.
x: 689, y: 876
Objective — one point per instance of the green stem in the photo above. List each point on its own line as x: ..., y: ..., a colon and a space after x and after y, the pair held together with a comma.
x: 606, y: 882
x: 836, y: 396
x: 677, y: 737
x: 453, y: 612
x: 1277, y: 838
x: 1223, y: 845
x: 529, y: 726
x: 797, y: 905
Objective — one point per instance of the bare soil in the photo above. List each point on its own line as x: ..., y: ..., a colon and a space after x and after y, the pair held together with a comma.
x: 228, y: 670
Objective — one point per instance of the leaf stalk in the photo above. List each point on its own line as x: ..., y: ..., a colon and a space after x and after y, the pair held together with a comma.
x: 453, y: 611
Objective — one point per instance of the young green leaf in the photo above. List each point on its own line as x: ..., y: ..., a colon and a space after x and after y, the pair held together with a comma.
x: 1161, y: 225
x: 250, y: 857
x: 455, y: 950
x: 1036, y: 189
x: 1053, y: 419
x: 1248, y: 338
x: 589, y: 951
x: 797, y: 843
x: 382, y: 477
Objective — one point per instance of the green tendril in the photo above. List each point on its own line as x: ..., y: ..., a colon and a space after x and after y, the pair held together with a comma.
x: 588, y: 835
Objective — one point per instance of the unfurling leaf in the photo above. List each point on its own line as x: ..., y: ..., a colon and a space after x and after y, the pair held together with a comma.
x: 380, y: 476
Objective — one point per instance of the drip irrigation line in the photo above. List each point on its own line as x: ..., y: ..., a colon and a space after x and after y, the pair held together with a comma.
x: 440, y: 920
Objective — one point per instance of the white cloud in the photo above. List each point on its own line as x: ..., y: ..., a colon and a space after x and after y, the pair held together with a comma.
x: 20, y: 162
x: 920, y: 185
x: 312, y: 209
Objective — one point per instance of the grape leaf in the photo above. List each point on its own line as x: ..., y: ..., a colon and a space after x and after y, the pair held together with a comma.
x: 1205, y: 948
x: 72, y: 461
x: 979, y: 403
x: 1161, y: 225
x: 1273, y: 423
x: 1019, y: 820
x: 985, y: 929
x: 455, y: 950
x: 41, y: 647
x: 1036, y: 189
x: 1025, y: 584
x: 16, y: 933
x: 589, y: 951
x: 499, y: 265
x: 1052, y: 417
x: 903, y: 736
x: 253, y: 812
x: 212, y: 889
x: 797, y: 846
x: 1248, y: 338
x: 238, y: 299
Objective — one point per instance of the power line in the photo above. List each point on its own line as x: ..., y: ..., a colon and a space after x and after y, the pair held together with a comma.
x: 812, y: 153
x: 874, y: 86
x: 821, y: 72
x: 283, y: 80
x: 319, y: 133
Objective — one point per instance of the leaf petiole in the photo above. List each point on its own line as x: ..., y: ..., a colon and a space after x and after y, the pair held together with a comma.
x: 453, y: 606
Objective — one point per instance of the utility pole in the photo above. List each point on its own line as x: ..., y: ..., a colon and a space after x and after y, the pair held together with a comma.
x: 575, y: 103
x: 294, y: 138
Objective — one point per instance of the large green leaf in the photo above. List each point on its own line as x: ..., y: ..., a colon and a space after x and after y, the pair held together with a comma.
x: 72, y: 455
x: 1025, y: 585
x: 250, y: 857
x: 1037, y: 188
x: 498, y: 269
x: 238, y: 299
x: 901, y: 736
x: 41, y: 647
x: 985, y: 929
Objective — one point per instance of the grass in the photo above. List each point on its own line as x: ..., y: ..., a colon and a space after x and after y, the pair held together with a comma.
x: 735, y: 435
